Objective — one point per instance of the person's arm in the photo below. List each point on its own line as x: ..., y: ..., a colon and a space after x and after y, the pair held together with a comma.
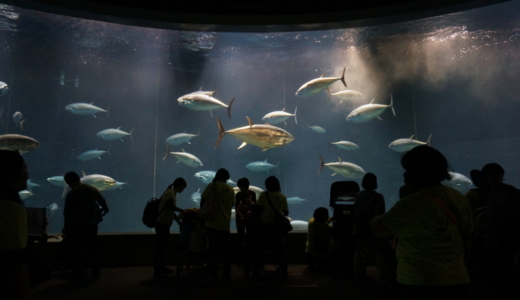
x: 379, y: 229
x: 238, y: 211
x: 285, y: 208
x: 102, y: 202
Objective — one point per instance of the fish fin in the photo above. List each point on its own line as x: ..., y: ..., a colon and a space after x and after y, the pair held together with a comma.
x: 188, y: 142
x: 412, y: 136
x: 322, y: 75
x: 340, y: 101
x: 265, y: 149
x: 65, y: 190
x: 265, y: 160
x: 229, y: 107
x: 118, y: 127
x: 372, y: 101
x: 343, y: 77
x: 321, y: 164
x: 277, y: 167
x: 379, y: 118
x: 340, y: 160
x: 392, y: 104
x: 21, y: 124
x: 130, y: 134
x: 91, y: 103
x: 429, y: 140
x: 167, y: 152
x: 250, y: 122
x: 183, y: 150
x: 108, y: 110
x: 200, y: 88
x: 295, y: 121
x: 285, y: 122
x: 334, y: 174
x: 221, y: 132
x: 83, y: 172
x: 178, y: 161
x: 99, y: 157
x: 328, y: 94
x: 211, y: 113
x: 198, y: 190
x: 242, y: 145
x: 94, y: 116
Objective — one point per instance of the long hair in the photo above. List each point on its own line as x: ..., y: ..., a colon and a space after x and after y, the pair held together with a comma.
x: 11, y: 163
x: 272, y: 184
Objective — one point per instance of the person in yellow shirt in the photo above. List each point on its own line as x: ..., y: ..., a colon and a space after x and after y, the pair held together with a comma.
x: 433, y: 227
x: 319, y: 240
x: 167, y: 209
x: 218, y: 228
x: 14, y: 280
x: 267, y: 235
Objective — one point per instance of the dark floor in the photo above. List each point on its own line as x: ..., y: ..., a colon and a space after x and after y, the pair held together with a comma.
x: 137, y: 283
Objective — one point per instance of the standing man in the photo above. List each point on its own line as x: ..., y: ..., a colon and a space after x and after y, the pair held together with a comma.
x: 81, y: 223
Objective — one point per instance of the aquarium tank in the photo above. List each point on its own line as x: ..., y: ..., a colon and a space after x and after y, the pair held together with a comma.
x: 132, y: 108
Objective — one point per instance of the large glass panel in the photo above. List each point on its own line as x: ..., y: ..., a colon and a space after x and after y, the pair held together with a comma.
x: 453, y: 77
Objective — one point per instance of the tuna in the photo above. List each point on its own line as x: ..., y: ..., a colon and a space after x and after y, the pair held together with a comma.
x: 201, y: 101
x: 4, y: 88
x: 195, y: 197
x: 31, y: 185
x: 348, y: 95
x: 16, y: 142
x: 299, y: 225
x: 369, y: 111
x: 113, y: 134
x: 84, y: 109
x: 252, y: 188
x: 100, y: 182
x: 18, y: 119
x: 186, y: 158
x: 263, y: 136
x: 346, y: 169
x: 277, y: 117
x: 92, y: 154
x: 346, y: 145
x: 57, y: 181
x: 317, y: 85
x: 260, y: 166
x: 207, y: 177
x: 458, y: 181
x: 25, y: 194
x: 403, y: 145
x: 295, y: 200
x: 180, y: 138
x: 318, y: 129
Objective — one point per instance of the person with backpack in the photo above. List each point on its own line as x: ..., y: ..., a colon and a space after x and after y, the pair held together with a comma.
x: 166, y: 216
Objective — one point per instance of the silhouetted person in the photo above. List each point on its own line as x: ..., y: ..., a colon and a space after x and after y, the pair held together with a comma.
x: 433, y: 226
x: 167, y: 209
x: 218, y: 229
x: 406, y: 189
x: 80, y: 216
x: 368, y: 205
x: 243, y: 185
x: 14, y: 279
x: 477, y: 196
x: 319, y: 240
x: 267, y: 234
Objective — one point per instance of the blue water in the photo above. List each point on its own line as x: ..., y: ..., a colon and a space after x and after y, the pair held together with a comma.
x: 453, y: 76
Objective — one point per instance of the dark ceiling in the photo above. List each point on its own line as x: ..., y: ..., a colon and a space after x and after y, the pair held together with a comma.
x: 259, y: 15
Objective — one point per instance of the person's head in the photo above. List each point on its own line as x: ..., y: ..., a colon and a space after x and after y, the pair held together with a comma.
x: 222, y: 175
x: 272, y: 184
x: 179, y: 184
x: 321, y: 214
x: 493, y: 173
x: 13, y: 171
x: 243, y: 184
x: 425, y: 166
x: 478, y: 178
x: 72, y: 179
x: 369, y: 182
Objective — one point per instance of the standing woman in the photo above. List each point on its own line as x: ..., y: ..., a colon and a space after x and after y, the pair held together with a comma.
x: 14, y: 280
x: 267, y: 234
x: 218, y: 228
x: 433, y: 227
x: 167, y: 209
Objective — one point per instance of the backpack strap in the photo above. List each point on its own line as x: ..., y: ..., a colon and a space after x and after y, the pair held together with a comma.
x: 270, y: 202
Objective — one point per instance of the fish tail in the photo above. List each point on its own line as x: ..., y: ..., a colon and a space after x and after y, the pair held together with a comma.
x: 221, y: 131
x: 321, y: 164
x: 392, y: 104
x: 167, y: 152
x: 21, y: 124
x: 108, y: 152
x: 429, y: 140
x: 295, y: 121
x: 229, y: 107
x: 343, y: 77
x: 130, y: 134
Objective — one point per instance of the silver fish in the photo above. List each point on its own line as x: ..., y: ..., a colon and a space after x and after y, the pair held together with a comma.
x: 403, y: 145
x: 196, y: 196
x: 348, y: 95
x: 277, y: 117
x: 57, y: 181
x: 4, y: 88
x: 25, y: 194
x: 252, y: 188
x: 369, y: 111
x: 112, y: 134
x: 199, y: 101
x: 18, y: 119
x: 260, y: 166
x: 346, y: 145
x: 295, y: 200
x: 300, y: 225
x: 457, y: 181
x: 31, y: 185
x: 16, y: 142
x: 318, y: 129
x: 346, y: 169
x: 117, y: 186
x: 319, y: 84
x: 84, y: 109
x: 180, y: 138
x: 100, y: 182
x: 186, y: 158
x: 263, y: 136
x: 92, y: 154
x: 207, y: 177
x: 53, y: 208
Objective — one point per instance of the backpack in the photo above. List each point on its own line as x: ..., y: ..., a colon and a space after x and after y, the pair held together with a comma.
x: 151, y: 212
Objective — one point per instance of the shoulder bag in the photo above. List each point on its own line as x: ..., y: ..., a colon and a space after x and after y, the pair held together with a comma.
x: 282, y: 224
x: 208, y: 211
